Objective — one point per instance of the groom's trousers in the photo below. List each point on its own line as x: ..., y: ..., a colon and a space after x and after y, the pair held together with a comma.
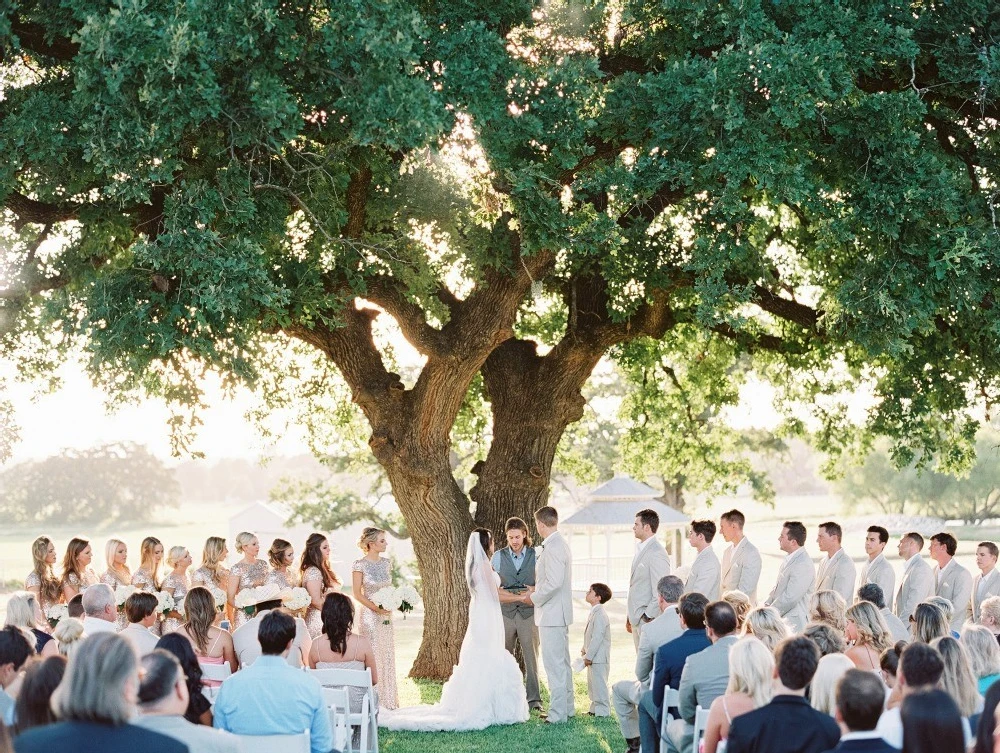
x: 522, y: 628
x: 555, y: 657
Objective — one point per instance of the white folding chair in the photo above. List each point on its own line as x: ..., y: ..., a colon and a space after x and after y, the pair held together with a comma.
x: 700, y: 723
x: 215, y: 672
x: 276, y: 743
x: 338, y: 700
x: 365, y: 719
x: 210, y: 693
x: 671, y: 698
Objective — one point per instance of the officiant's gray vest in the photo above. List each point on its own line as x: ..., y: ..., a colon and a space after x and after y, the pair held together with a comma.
x: 511, y: 577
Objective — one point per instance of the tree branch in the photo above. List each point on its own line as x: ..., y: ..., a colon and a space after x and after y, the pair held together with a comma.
x: 412, y: 320
x: 34, y: 38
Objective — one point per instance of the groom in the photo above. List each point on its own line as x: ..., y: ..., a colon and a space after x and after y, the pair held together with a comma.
x: 552, y: 598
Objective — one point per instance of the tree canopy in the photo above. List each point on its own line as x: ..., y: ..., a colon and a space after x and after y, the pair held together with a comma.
x: 802, y: 189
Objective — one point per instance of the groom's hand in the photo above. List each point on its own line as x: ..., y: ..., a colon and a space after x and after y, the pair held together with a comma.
x: 628, y: 625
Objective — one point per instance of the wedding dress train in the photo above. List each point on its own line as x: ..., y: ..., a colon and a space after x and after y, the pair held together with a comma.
x: 486, y: 686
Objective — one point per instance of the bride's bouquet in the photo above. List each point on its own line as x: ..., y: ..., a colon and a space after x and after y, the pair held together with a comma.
x: 55, y: 613
x: 121, y: 595
x: 391, y: 598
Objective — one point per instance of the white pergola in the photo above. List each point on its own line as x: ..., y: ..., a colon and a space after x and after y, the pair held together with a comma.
x: 601, y: 533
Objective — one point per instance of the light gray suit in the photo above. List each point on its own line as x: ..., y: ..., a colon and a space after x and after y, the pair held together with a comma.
x: 741, y: 566
x: 991, y: 587
x: 790, y: 596
x: 553, y: 601
x: 650, y: 564
x: 706, y: 574
x: 879, y: 572
x: 837, y: 573
x: 597, y: 648
x: 897, y: 629
x: 198, y: 737
x: 703, y: 679
x: 954, y: 583
x: 917, y: 585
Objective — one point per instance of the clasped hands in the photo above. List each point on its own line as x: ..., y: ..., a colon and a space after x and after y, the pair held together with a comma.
x: 524, y: 597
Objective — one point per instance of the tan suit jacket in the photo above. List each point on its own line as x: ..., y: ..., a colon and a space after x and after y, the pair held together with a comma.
x: 553, y: 596
x: 917, y: 585
x: 597, y: 636
x: 647, y: 569
x: 790, y: 595
x: 837, y: 573
x: 954, y: 583
x: 741, y: 566
x: 991, y: 588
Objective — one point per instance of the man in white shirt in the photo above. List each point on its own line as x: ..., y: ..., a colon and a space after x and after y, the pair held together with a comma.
x: 140, y: 609
x: 796, y: 577
x: 99, y: 609
x: 836, y: 570
x: 917, y: 583
x: 649, y: 565
x: 741, y: 562
x: 951, y: 581
x: 987, y: 582
x: 706, y: 572
x: 877, y: 569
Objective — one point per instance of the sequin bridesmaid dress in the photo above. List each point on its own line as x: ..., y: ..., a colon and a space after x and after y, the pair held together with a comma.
x: 376, y: 576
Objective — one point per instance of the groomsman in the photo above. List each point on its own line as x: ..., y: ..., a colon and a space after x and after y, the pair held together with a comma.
x: 796, y: 577
x: 877, y: 570
x: 987, y: 583
x: 918, y: 578
x: 836, y: 570
x: 951, y: 580
x: 649, y: 565
x: 515, y: 564
x: 706, y: 572
x: 741, y: 563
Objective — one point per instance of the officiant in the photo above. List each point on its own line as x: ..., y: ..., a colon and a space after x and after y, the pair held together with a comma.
x: 515, y: 564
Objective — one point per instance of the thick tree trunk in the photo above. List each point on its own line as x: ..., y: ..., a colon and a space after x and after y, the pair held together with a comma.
x: 673, y: 493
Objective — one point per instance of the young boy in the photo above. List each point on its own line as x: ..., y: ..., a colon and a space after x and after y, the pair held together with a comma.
x: 596, y: 650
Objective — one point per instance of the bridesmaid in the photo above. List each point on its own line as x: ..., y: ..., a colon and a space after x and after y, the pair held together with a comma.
x: 147, y: 575
x: 282, y: 556
x: 249, y: 572
x: 76, y: 572
x: 213, y: 572
x: 42, y: 580
x: 117, y: 574
x: 370, y: 574
x: 176, y: 584
x: 318, y: 579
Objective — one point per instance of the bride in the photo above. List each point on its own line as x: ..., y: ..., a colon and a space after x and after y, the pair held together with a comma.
x: 485, y: 687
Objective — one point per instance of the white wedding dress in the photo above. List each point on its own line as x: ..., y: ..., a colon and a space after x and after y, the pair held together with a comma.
x: 485, y: 687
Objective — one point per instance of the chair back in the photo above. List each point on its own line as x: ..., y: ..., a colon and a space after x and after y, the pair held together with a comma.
x: 276, y: 743
x: 342, y: 678
x: 365, y: 720
x: 338, y: 701
x: 215, y: 672
x: 700, y: 723
x: 671, y: 697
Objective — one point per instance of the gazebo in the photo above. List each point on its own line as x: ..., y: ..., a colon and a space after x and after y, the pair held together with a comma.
x: 601, y: 535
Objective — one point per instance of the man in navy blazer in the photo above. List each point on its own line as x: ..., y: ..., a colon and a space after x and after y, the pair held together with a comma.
x: 860, y: 698
x: 788, y: 724
x: 669, y: 665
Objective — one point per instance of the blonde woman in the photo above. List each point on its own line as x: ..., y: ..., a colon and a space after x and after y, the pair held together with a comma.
x: 929, y: 623
x: 751, y: 672
x: 212, y: 645
x: 947, y: 608
x: 249, y: 572
x: 42, y: 580
x: 989, y: 615
x: 147, y: 576
x: 867, y: 631
x: 767, y: 625
x: 24, y: 612
x: 117, y: 574
x: 958, y: 680
x: 76, y: 573
x: 68, y: 635
x: 213, y: 570
x: 740, y: 603
x: 984, y: 655
x: 369, y: 574
x: 281, y: 556
x: 176, y: 584
x: 829, y: 608
x: 823, y: 689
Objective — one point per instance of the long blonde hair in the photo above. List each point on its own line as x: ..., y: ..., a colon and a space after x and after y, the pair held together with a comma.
x: 146, y: 553
x: 872, y: 630
x: 958, y: 680
x: 767, y: 625
x: 22, y: 610
x: 981, y: 646
x: 211, y: 556
x: 823, y: 690
x: 110, y: 549
x: 49, y: 589
x: 751, y: 670
x: 828, y: 607
x: 741, y: 604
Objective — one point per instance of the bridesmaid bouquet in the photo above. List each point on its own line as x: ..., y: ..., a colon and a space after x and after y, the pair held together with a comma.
x: 165, y: 603
x: 403, y: 598
x: 121, y: 594
x: 249, y: 598
x: 295, y: 599
x: 220, y: 598
x: 55, y: 613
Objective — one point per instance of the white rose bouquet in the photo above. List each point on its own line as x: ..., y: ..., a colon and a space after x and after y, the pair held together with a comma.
x: 121, y: 595
x: 220, y: 598
x: 295, y: 599
x: 55, y: 613
x: 388, y: 598
x: 249, y: 598
x: 165, y: 603
x: 409, y: 597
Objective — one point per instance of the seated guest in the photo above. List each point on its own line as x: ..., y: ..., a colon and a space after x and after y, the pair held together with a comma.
x: 23, y: 612
x: 823, y: 689
x: 988, y: 721
x: 99, y: 609
x: 788, y: 724
x: 34, y: 701
x: 949, y: 613
x: 868, y: 634
x: 669, y: 664
x: 828, y: 607
x: 957, y: 679
x: 75, y: 607
x: 873, y: 592
x: 751, y: 669
x: 931, y: 723
x: 741, y: 604
x: 989, y: 615
x: 929, y: 623
x: 827, y: 640
x: 859, y: 701
x: 16, y: 647
x: 767, y: 625
x: 68, y: 634
x: 984, y: 655
x: 920, y: 669
x: 271, y: 698
x: 706, y: 674
x: 245, y: 636
x: 625, y: 694
x: 96, y: 704
x: 199, y: 710
x: 212, y: 645
x: 889, y: 665
x: 163, y: 701
x: 140, y: 611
